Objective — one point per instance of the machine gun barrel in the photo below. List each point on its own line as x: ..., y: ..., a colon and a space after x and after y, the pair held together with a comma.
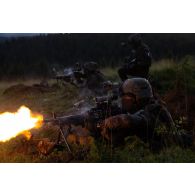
x: 67, y: 120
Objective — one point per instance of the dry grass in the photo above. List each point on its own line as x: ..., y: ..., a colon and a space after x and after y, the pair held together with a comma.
x: 111, y: 73
x: 61, y: 101
x: 6, y: 84
x: 163, y: 64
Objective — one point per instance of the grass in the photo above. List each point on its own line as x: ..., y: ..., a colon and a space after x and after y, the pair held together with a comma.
x: 60, y: 100
x: 166, y: 73
x: 111, y: 73
x: 163, y: 64
x: 56, y: 100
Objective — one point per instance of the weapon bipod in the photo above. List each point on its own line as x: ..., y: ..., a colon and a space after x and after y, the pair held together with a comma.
x: 63, y: 135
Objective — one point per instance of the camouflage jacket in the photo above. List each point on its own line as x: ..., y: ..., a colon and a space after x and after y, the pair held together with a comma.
x: 142, y: 123
x: 141, y: 57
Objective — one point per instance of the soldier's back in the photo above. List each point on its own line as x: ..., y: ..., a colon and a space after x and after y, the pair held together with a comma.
x: 143, y: 56
x: 151, y: 118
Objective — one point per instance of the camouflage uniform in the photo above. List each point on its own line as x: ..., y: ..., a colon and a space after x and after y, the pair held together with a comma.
x: 141, y: 122
x: 94, y: 78
x: 139, y: 62
x: 85, y: 75
x: 79, y: 73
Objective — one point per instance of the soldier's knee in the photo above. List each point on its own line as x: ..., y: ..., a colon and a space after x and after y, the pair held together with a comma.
x: 122, y: 71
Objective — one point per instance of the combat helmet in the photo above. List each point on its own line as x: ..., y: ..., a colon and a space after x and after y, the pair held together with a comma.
x: 135, y: 39
x: 90, y: 66
x: 140, y: 88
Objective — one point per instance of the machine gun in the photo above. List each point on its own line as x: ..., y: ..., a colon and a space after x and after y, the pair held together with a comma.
x: 63, y: 121
x: 104, y: 108
x: 92, y: 119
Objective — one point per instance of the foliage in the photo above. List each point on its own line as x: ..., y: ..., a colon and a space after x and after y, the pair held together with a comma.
x: 167, y: 74
x: 60, y: 99
x: 36, y: 56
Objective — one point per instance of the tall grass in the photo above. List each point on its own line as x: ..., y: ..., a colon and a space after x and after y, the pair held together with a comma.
x: 170, y: 63
x: 111, y: 73
x: 167, y: 73
x: 163, y: 64
x: 164, y: 72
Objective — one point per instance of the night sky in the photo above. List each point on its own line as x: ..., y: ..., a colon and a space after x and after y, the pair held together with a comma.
x: 17, y: 34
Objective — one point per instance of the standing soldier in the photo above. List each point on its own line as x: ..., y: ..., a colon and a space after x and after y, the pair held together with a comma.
x: 139, y: 61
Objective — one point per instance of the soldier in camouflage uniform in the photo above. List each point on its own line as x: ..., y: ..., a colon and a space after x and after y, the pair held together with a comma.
x: 94, y: 78
x: 141, y: 113
x: 139, y: 61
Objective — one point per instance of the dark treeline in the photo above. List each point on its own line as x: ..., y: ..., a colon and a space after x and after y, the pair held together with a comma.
x: 34, y: 56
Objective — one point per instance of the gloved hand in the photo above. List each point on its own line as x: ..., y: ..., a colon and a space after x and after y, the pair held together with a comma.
x: 114, y: 123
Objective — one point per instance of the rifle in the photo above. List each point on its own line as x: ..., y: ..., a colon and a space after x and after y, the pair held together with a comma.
x: 72, y: 76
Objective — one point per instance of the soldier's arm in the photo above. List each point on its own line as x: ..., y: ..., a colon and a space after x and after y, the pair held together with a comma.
x: 166, y: 118
x: 143, y: 56
x: 128, y: 123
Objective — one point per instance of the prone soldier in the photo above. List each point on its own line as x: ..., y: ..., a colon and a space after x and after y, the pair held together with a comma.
x: 81, y: 76
x: 140, y: 114
x: 94, y: 78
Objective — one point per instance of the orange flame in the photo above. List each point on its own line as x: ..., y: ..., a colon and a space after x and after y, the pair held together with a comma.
x: 20, y: 122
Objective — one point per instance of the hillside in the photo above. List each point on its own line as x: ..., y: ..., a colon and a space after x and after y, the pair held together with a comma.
x: 60, y: 99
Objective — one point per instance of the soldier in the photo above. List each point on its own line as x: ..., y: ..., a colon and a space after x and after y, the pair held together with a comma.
x: 141, y: 113
x: 94, y: 78
x: 139, y: 61
x: 79, y: 75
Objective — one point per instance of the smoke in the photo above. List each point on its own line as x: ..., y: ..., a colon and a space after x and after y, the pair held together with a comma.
x: 68, y: 71
x: 82, y: 107
x: 85, y: 103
